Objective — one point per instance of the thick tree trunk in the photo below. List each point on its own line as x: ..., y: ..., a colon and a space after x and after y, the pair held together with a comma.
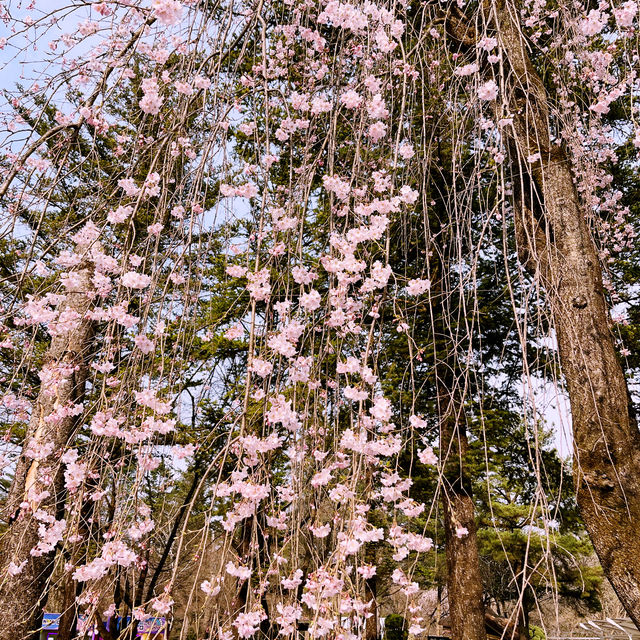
x: 23, y: 596
x: 557, y: 246
x: 69, y: 617
x: 372, y: 624
x: 464, y: 580
x: 78, y: 556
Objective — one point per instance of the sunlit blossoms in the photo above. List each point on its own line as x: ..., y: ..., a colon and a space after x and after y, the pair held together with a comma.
x: 134, y: 280
x: 151, y: 101
x: 488, y: 91
x: 168, y: 12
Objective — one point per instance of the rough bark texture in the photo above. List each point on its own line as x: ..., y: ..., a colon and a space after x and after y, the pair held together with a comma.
x: 372, y: 623
x: 22, y: 597
x: 557, y: 247
x: 68, y: 619
x: 464, y: 579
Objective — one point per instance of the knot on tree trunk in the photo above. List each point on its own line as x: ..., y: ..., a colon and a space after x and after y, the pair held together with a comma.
x: 601, y: 482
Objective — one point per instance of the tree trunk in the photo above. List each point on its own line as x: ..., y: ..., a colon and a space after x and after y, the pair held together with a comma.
x: 22, y: 597
x: 78, y: 556
x: 556, y: 245
x: 177, y: 521
x: 372, y: 623
x: 464, y: 580
x: 69, y: 617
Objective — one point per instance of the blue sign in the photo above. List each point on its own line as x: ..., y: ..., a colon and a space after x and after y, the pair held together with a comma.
x: 151, y: 625
x: 51, y: 621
